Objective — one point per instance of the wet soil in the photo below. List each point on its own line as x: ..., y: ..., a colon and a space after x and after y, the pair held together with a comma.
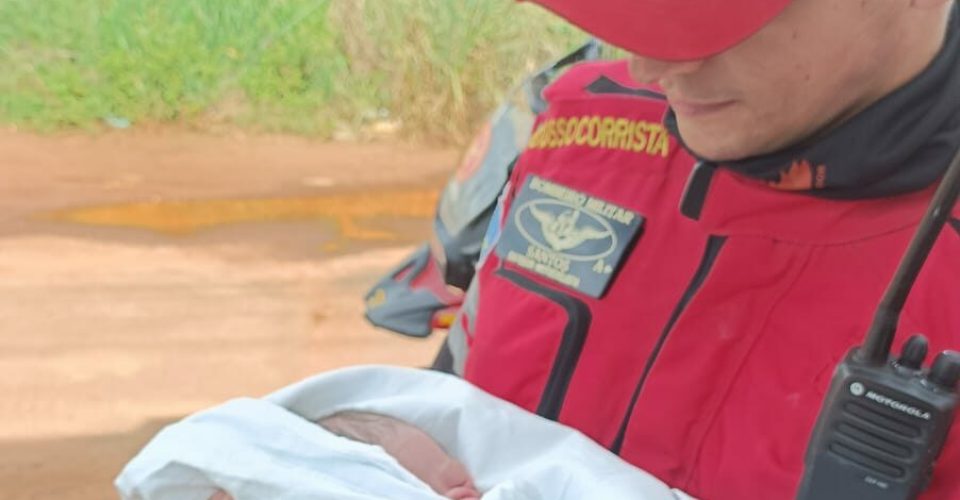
x: 144, y: 276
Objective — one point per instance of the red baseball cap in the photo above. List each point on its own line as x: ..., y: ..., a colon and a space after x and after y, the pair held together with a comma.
x: 672, y: 30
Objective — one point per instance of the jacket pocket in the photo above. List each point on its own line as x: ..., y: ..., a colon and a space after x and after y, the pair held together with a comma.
x: 528, y: 348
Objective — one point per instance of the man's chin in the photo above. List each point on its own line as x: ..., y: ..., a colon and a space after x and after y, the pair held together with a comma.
x: 715, y: 151
x: 718, y: 144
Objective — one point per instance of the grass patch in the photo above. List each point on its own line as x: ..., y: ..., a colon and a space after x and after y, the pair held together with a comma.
x: 294, y: 66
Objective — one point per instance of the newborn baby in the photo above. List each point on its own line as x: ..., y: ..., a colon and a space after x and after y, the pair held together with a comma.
x: 411, y: 447
x: 368, y: 446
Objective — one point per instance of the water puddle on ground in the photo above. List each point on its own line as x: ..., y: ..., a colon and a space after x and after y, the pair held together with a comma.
x: 184, y: 217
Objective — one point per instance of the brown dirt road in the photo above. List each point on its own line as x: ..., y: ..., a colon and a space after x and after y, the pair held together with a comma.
x: 144, y: 276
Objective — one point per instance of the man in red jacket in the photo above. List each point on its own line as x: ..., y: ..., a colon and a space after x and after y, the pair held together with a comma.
x: 801, y: 140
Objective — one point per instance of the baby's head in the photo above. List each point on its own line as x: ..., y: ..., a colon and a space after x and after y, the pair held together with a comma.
x: 413, y: 449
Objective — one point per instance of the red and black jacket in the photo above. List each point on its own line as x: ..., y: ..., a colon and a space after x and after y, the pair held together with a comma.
x: 697, y: 349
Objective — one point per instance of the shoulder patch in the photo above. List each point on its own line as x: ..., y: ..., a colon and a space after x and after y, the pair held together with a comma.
x: 567, y: 236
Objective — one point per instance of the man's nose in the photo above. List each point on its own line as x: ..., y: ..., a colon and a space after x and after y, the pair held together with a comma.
x: 650, y: 70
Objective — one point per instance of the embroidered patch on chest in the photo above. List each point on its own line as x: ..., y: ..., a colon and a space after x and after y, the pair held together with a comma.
x: 567, y: 236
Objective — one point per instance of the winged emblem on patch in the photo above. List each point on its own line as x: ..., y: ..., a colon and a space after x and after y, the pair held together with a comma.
x: 561, y: 231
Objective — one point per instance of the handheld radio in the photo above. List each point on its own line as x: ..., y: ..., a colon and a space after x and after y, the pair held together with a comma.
x: 884, y: 421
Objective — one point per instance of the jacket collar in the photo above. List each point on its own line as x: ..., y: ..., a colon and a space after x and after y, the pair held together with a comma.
x: 741, y: 206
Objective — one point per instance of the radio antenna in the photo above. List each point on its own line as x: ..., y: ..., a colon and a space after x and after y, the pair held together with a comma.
x: 879, y: 339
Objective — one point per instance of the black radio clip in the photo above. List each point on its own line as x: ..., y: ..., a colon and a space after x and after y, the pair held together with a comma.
x: 884, y: 421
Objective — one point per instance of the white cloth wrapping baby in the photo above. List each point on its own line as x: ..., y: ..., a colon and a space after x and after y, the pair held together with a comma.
x: 269, y: 448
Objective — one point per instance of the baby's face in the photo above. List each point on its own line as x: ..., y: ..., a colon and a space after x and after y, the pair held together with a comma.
x: 413, y: 449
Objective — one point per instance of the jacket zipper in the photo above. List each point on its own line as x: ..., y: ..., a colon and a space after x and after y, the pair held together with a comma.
x: 571, y: 345
x: 714, y: 244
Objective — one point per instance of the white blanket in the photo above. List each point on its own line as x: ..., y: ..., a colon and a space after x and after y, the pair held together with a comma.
x: 269, y: 449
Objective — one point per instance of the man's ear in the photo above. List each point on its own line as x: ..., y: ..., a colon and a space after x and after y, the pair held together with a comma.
x: 929, y: 4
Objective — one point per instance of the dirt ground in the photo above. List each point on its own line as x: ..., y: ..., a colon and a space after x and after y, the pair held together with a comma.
x: 144, y: 276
